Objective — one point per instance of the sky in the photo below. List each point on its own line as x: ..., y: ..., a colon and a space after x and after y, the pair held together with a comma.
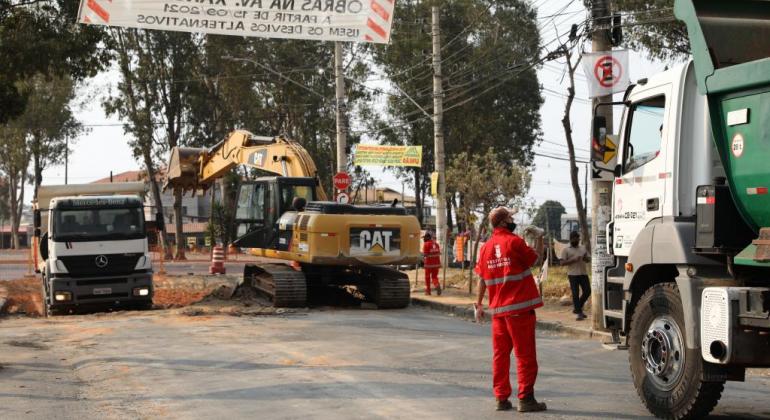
x: 104, y: 147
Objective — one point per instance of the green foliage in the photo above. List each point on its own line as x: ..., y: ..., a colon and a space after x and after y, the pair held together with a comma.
x: 650, y: 25
x: 482, y: 43
x: 40, y: 38
x: 48, y: 120
x: 550, y: 212
x: 483, y: 181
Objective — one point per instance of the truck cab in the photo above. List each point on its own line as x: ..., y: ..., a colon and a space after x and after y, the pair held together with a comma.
x: 94, y: 251
x: 666, y: 151
x: 677, y: 297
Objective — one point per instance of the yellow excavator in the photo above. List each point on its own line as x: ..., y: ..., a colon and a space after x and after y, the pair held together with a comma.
x: 288, y: 217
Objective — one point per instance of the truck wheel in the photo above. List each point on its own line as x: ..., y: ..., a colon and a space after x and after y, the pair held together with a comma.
x: 667, y: 375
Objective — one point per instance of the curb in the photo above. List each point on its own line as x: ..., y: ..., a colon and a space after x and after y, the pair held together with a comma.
x: 464, y: 311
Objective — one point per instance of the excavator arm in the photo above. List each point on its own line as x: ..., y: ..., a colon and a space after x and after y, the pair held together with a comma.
x: 198, y: 168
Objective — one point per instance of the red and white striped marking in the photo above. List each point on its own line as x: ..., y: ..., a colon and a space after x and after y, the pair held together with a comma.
x: 707, y: 200
x: 96, y: 11
x: 379, y: 21
x: 756, y: 191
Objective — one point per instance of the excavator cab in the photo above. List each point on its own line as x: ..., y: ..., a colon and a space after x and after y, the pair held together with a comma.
x: 263, y: 202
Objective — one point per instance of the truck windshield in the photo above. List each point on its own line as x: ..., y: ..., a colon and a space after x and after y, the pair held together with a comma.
x: 90, y: 224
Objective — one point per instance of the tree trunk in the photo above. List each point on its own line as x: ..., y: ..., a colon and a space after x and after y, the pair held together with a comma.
x: 157, y: 198
x: 449, y: 223
x: 38, y: 166
x: 17, y: 207
x: 418, y: 196
x: 567, y: 124
x: 475, y: 251
x: 178, y: 223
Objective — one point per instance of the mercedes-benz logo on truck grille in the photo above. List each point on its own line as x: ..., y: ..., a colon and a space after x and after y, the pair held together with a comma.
x: 101, y: 261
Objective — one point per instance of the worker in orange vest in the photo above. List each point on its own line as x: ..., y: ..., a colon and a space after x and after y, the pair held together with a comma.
x: 431, y: 253
x: 504, y: 267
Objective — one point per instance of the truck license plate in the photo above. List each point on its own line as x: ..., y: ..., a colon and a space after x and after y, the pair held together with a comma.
x: 103, y: 291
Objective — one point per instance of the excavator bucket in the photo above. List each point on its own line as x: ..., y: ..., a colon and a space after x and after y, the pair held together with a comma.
x: 184, y: 169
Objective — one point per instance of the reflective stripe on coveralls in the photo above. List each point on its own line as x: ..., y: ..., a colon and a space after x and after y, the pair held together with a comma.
x: 516, y: 306
x: 515, y: 277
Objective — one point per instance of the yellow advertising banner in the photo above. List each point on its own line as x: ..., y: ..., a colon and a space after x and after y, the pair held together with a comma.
x: 375, y: 155
x: 434, y: 184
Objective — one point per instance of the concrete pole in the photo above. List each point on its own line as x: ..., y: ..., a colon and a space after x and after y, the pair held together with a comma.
x: 342, y: 159
x: 438, y: 132
x: 601, y: 194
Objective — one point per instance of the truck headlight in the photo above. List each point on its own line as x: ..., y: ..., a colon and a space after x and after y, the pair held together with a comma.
x: 141, y: 291
x: 62, y: 296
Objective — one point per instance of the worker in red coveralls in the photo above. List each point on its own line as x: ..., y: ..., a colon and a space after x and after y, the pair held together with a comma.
x: 432, y: 262
x: 504, y: 267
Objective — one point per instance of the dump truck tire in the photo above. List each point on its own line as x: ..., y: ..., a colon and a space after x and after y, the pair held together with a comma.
x: 666, y: 374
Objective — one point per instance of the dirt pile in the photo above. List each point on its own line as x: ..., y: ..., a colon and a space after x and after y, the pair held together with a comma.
x: 22, y: 296
x: 177, y: 292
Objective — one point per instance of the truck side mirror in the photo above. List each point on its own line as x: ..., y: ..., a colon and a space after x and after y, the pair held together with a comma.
x: 598, y: 133
x: 44, y: 246
x: 618, y: 171
x: 37, y: 222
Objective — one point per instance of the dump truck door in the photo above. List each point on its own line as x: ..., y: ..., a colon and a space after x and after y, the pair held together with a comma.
x: 639, y: 191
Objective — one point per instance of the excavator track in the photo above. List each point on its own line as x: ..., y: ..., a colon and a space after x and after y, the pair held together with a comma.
x: 287, y: 288
x: 392, y: 290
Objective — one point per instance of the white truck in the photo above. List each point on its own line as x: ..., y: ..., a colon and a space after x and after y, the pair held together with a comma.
x: 689, y: 292
x: 93, y: 247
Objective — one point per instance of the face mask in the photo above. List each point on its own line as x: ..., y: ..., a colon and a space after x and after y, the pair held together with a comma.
x: 511, y: 226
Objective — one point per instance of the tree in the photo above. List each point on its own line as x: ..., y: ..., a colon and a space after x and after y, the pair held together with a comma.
x: 48, y: 121
x: 492, y: 100
x: 14, y: 163
x: 567, y: 125
x: 5, y: 212
x: 548, y: 217
x: 651, y: 25
x: 153, y: 100
x: 483, y: 181
x: 39, y: 37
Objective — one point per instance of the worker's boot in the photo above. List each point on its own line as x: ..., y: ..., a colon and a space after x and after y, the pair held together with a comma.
x: 504, y: 405
x: 438, y: 290
x: 427, y: 292
x: 529, y: 404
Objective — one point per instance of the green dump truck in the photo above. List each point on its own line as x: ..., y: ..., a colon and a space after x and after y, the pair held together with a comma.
x: 689, y: 291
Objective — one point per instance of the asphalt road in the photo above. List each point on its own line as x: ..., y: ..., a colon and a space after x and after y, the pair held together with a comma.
x: 321, y: 364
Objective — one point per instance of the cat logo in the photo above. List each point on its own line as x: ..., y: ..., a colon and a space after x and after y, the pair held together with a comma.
x: 376, y: 241
x: 257, y: 158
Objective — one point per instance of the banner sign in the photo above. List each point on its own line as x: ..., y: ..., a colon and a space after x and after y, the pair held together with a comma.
x: 374, y: 155
x: 606, y: 72
x: 434, y: 184
x: 319, y: 20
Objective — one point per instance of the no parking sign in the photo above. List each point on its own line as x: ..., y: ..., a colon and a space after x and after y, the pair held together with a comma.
x: 606, y: 72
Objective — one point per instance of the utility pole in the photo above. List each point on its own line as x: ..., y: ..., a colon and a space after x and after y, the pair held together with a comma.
x: 601, y: 194
x: 342, y: 158
x: 438, y: 132
x: 585, y: 191
x: 66, y: 158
